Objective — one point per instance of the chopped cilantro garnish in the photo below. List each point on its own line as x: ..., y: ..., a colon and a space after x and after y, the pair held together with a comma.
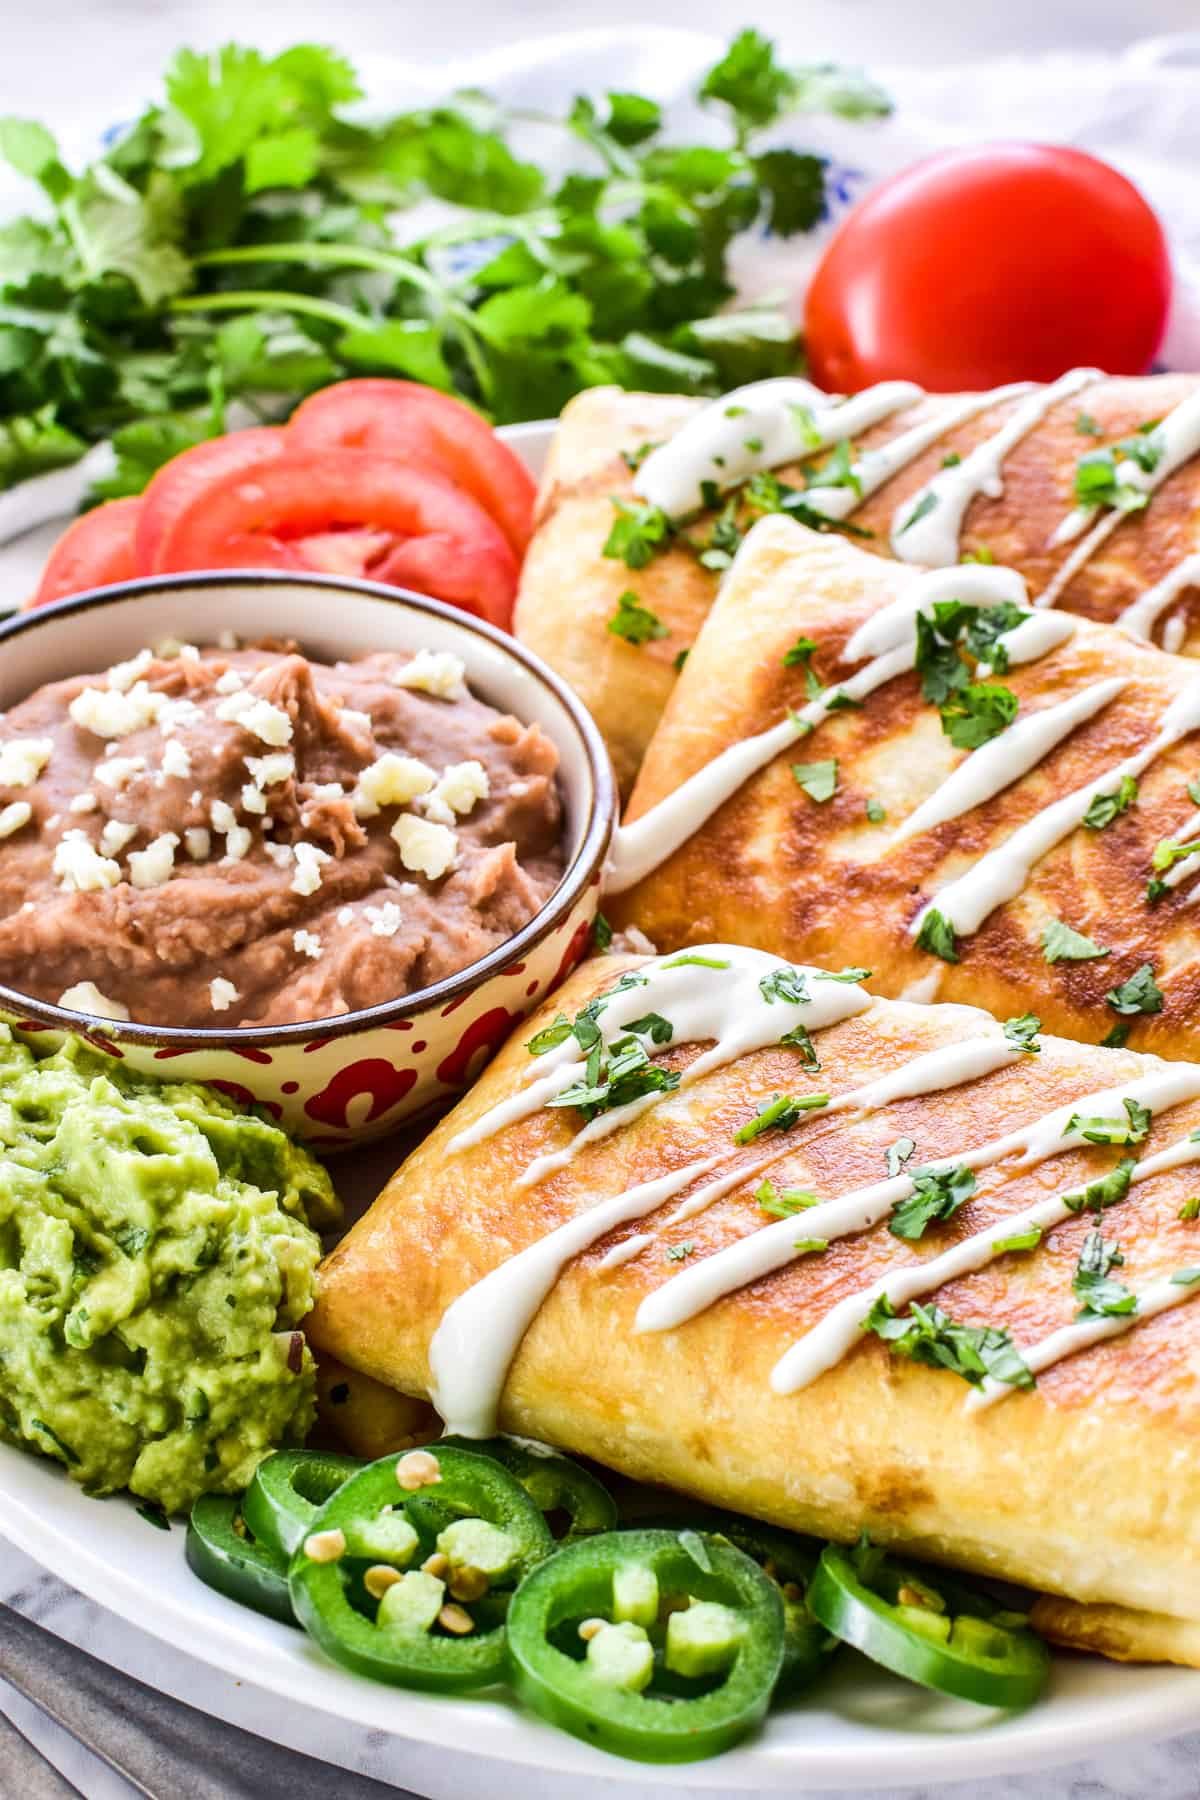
x: 1092, y: 1283
x: 616, y: 1076
x: 1086, y: 426
x: 1117, y: 1038
x: 798, y: 1038
x: 841, y: 701
x: 1186, y: 1277
x: 978, y: 713
x: 800, y: 655
x: 937, y: 937
x: 1060, y: 943
x: 781, y: 1203
x: 920, y: 511
x: 780, y: 1113
x: 1096, y: 479
x: 679, y: 1252
x: 639, y: 533
x: 1022, y: 1032
x: 633, y: 459
x: 876, y: 812
x: 681, y: 657
x: 635, y: 622
x: 930, y: 1336
x: 653, y: 1026
x: 937, y: 1194
x: 838, y: 470
x: 811, y: 1246
x: 1104, y: 808
x: 64, y: 1449
x: 1029, y: 1239
x: 785, y: 983
x: 154, y: 1515
x: 806, y: 425
x: 897, y: 1154
x: 602, y: 932
x: 849, y: 975
x: 819, y: 779
x: 972, y: 711
x: 980, y: 554
x: 131, y: 1240
x: 1190, y: 1208
x: 1140, y: 994
x: 698, y: 962
x: 1133, y: 1129
x: 951, y: 459
x: 1106, y: 1191
x: 550, y: 1037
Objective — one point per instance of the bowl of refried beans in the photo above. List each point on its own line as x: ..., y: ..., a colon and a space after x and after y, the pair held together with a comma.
x: 320, y: 844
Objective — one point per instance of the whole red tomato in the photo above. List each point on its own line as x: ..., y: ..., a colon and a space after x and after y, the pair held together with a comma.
x: 1005, y: 262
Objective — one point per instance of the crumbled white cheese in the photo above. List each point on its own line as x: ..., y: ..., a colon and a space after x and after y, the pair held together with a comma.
x: 391, y: 780
x: 174, y: 713
x: 253, y: 799
x: 269, y: 771
x: 198, y: 843
x: 228, y: 640
x: 425, y: 848
x: 188, y: 653
x: 23, y: 759
x: 256, y: 715
x: 386, y: 920
x: 231, y: 682
x: 458, y: 790
x: 85, y: 997
x: 349, y: 715
x: 434, y: 672
x: 122, y: 675
x: 280, y: 854
x: 116, y: 834
x: 237, y: 839
x: 176, y: 760
x: 309, y: 860
x: 327, y: 790
x: 167, y: 647
x: 79, y: 866
x: 156, y: 863
x: 82, y: 803
x: 345, y: 915
x: 117, y: 772
x: 306, y: 943
x: 107, y: 713
x: 222, y: 994
x: 53, y: 822
x: 13, y: 816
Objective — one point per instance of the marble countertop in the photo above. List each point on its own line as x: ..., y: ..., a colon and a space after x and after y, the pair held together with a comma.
x: 121, y: 45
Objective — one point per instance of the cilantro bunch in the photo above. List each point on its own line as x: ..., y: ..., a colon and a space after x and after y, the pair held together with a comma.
x: 249, y: 238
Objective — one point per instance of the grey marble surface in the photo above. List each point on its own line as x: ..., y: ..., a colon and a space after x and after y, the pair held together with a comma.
x: 118, y: 47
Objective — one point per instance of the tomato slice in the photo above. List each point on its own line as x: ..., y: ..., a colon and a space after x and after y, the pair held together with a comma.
x: 187, y: 475
x: 402, y: 418
x: 442, y: 542
x: 94, y: 551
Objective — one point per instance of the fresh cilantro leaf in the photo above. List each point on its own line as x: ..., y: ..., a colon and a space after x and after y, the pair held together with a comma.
x: 679, y: 1252
x: 1190, y: 1208
x: 849, y: 975
x: 616, y: 1079
x: 64, y: 1449
x: 798, y: 1038
x: 1117, y: 1038
x: 1133, y: 1129
x: 602, y: 933
x: 841, y: 701
x: 812, y: 1247
x: 1029, y: 1239
x: 635, y: 622
x: 937, y: 937
x: 793, y: 183
x: 154, y: 1515
x: 897, y: 1154
x: 937, y: 1195
x: 1140, y: 994
x: 33, y: 444
x: 131, y: 1240
x: 977, y: 713
x: 633, y: 459
x: 1186, y: 1277
x: 1086, y: 426
x: 1060, y: 943
x: 928, y: 1335
x: 653, y: 1026
x: 819, y: 780
x: 921, y: 510
x: 785, y: 983
x: 689, y: 959
x: 780, y: 1113
x: 876, y: 812
x: 1022, y: 1032
x: 782, y: 1203
x: 632, y: 118
x: 1101, y: 1296
x: 1104, y: 1192
x: 750, y: 81
x: 1105, y: 807
x: 639, y: 534
x: 550, y: 1037
x: 680, y: 659
x: 800, y: 656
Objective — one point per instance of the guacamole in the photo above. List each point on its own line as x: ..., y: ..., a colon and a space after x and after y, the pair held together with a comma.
x: 157, y: 1253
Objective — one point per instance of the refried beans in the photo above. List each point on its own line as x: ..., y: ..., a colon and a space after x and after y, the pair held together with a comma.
x: 245, y: 837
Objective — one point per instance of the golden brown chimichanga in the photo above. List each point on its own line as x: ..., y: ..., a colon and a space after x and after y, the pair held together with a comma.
x: 1084, y: 1486
x: 569, y: 590
x: 822, y: 866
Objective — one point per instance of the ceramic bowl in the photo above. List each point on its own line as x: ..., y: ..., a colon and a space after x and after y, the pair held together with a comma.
x: 345, y: 1079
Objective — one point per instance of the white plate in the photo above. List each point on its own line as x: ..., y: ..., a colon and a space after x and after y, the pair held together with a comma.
x: 861, y: 1728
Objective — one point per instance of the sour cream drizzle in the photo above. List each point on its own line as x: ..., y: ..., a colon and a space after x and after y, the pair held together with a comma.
x: 1002, y: 873
x: 774, y: 1246
x: 927, y: 526
x: 1144, y: 613
x: 760, y: 426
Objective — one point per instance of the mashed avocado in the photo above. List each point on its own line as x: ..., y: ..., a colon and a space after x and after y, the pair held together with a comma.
x: 156, y: 1256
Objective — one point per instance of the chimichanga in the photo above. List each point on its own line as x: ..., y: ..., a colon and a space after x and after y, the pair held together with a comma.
x: 658, y: 1241
x: 1046, y: 866
x: 926, y: 478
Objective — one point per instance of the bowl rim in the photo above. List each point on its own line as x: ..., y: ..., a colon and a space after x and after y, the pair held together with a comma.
x: 588, y: 861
